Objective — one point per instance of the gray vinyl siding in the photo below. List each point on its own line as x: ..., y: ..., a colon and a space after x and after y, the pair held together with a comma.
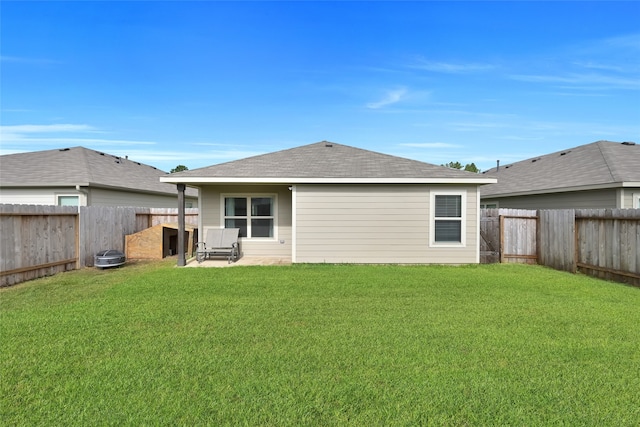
x: 376, y: 224
x: 594, y: 199
x: 211, y: 217
x: 90, y: 197
x: 105, y: 197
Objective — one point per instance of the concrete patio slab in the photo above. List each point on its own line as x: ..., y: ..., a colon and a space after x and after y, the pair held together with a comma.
x: 245, y: 260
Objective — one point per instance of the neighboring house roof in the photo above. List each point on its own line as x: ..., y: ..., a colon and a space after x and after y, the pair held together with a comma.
x: 80, y: 166
x: 325, y: 162
x: 601, y: 164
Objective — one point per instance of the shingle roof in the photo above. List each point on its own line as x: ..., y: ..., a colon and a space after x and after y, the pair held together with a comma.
x: 80, y: 166
x: 325, y: 160
x: 596, y: 164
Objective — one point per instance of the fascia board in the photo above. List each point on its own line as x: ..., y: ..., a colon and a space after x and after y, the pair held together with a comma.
x: 139, y: 190
x: 45, y: 185
x: 294, y: 180
x: 89, y: 185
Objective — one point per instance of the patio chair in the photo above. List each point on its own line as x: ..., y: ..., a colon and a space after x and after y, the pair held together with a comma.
x: 219, y: 242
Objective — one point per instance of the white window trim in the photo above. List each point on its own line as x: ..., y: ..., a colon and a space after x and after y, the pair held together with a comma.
x: 635, y: 197
x: 251, y: 195
x: 77, y: 196
x: 463, y: 219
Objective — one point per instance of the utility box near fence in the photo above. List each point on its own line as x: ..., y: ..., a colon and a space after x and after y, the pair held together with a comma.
x: 159, y: 241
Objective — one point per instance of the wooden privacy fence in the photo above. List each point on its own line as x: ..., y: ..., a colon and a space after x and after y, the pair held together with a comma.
x: 508, y: 235
x: 39, y: 240
x: 606, y: 244
x: 149, y: 217
x: 600, y: 242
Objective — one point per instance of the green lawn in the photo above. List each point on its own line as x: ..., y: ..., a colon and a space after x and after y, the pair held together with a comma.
x: 151, y: 344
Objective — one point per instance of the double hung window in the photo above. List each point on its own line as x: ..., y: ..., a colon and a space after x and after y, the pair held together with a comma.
x: 253, y: 215
x: 447, y: 225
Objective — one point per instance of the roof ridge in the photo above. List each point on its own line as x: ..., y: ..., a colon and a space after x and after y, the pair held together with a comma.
x: 329, y: 161
x: 546, y: 156
x: 606, y: 157
x: 85, y: 160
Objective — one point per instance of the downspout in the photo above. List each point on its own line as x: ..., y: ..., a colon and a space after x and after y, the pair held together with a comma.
x: 85, y: 193
x: 294, y: 224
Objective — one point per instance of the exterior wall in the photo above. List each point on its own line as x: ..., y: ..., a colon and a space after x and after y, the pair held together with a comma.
x: 90, y: 197
x: 38, y: 196
x: 595, y: 199
x: 377, y: 224
x: 211, y: 216
x: 104, y: 197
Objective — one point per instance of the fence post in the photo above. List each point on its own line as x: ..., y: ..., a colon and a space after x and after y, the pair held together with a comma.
x: 576, y: 242
x: 181, y: 226
x: 501, y: 222
x: 77, y: 243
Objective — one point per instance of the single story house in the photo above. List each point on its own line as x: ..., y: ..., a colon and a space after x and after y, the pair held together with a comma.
x: 327, y: 202
x: 599, y: 175
x: 79, y: 176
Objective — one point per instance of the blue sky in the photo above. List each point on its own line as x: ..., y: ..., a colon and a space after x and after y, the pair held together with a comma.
x: 199, y: 83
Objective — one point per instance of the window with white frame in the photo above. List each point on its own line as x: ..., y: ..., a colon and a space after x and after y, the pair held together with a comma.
x: 636, y: 200
x: 64, y: 200
x: 448, y: 218
x: 253, y: 215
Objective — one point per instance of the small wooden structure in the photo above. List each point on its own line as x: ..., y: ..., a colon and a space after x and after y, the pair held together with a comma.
x: 159, y: 241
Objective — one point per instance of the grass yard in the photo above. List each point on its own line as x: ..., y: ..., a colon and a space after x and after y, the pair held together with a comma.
x: 150, y: 344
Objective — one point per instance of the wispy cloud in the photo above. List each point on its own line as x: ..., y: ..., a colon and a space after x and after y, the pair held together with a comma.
x: 450, y: 67
x: 30, y: 137
x: 209, y: 144
x: 391, y: 97
x: 192, y: 158
x: 592, y: 81
x: 473, y: 126
x: 187, y: 156
x: 429, y: 145
x: 625, y: 42
x: 74, y: 141
x: 57, y: 134
x: 594, y: 66
x: 16, y: 110
x: 28, y: 61
x: 46, y: 128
